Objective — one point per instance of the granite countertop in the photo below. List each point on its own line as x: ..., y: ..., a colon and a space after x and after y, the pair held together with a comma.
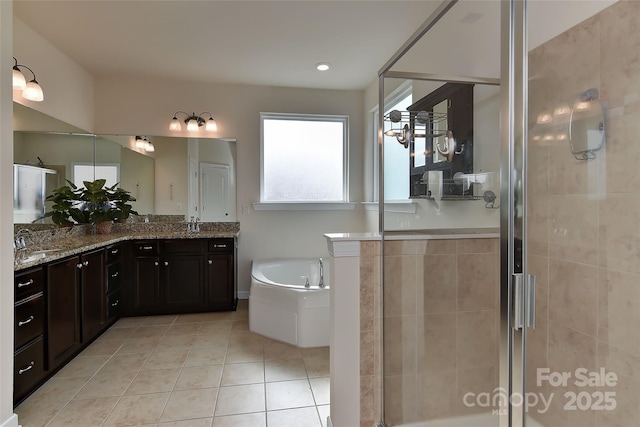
x: 42, y: 250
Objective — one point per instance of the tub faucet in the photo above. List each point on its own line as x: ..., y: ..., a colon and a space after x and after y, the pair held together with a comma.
x: 321, y: 266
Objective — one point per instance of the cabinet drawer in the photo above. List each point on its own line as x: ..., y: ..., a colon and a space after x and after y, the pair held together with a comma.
x: 221, y: 245
x: 184, y: 246
x: 114, y: 275
x: 28, y: 368
x: 29, y: 282
x: 113, y: 305
x: 113, y: 253
x: 146, y: 247
x: 29, y: 320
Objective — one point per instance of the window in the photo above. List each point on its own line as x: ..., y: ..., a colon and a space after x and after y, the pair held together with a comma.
x: 396, y: 157
x: 303, y: 158
x: 90, y: 172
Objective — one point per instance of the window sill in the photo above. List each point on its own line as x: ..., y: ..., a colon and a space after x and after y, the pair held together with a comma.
x: 297, y: 206
x: 399, y: 206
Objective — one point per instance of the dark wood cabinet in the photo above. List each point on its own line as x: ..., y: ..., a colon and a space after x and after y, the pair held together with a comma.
x: 63, y: 310
x: 29, y: 320
x: 113, y: 281
x: 183, y: 275
x: 92, y: 285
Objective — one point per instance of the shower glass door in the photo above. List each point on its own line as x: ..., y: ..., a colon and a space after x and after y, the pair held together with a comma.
x: 583, y: 206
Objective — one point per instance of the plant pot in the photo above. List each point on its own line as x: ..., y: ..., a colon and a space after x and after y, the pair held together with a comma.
x: 104, y: 227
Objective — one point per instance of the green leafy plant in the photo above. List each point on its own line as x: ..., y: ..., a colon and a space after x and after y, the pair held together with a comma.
x: 92, y: 204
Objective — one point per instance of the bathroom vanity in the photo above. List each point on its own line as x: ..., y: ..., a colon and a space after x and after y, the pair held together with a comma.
x: 67, y: 297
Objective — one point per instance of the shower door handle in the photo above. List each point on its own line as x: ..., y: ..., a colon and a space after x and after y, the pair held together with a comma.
x: 530, y: 297
x: 517, y: 301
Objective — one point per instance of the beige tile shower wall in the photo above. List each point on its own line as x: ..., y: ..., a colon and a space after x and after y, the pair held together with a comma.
x: 441, y: 317
x: 584, y: 235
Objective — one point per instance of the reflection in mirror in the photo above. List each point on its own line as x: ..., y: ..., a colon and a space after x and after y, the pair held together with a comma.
x: 159, y: 180
x: 587, y: 126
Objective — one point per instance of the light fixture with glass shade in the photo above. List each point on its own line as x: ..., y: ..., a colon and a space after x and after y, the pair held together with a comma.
x: 193, y: 121
x: 144, y: 143
x: 30, y: 90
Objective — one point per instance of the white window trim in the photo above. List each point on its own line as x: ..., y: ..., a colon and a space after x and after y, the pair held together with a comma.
x: 306, y: 205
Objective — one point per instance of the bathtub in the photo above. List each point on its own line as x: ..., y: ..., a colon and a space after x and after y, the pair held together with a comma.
x: 282, y: 308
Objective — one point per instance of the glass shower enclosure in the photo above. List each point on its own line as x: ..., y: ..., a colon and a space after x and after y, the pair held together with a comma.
x: 511, y: 286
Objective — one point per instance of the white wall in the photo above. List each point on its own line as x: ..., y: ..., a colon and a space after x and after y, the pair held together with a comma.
x: 7, y: 418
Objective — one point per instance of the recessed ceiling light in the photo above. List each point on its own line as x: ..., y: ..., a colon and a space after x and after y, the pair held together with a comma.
x: 322, y: 66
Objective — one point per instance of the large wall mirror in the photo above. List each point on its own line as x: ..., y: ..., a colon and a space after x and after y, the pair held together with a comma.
x: 177, y: 178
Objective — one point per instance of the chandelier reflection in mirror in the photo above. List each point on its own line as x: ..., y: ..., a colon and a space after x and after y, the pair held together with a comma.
x: 406, y: 126
x: 31, y: 90
x: 193, y: 121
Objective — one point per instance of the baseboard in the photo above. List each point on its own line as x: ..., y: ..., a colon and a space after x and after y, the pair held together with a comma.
x: 12, y: 421
x: 243, y: 294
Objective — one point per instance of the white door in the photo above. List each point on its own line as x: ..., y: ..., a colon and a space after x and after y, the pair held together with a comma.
x: 193, y: 189
x: 214, y: 192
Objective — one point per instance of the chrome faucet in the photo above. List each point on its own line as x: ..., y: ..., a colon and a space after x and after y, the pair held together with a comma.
x: 20, y: 245
x: 321, y: 266
x: 194, y: 226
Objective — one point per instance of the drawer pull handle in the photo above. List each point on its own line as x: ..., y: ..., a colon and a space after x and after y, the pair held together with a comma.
x: 210, y: 261
x: 156, y: 263
x: 146, y: 248
x: 115, y: 251
x: 28, y: 368
x: 219, y: 246
x: 115, y: 274
x: 166, y: 263
x: 22, y: 285
x: 79, y: 265
x: 85, y: 263
x: 115, y: 304
x: 24, y: 322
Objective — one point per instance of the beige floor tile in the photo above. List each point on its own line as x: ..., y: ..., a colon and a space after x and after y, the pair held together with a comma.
x: 188, y: 404
x: 257, y: 419
x: 240, y: 399
x: 103, y: 348
x: 124, y: 363
x: 117, y: 334
x: 166, y: 359
x: 240, y: 355
x: 244, y: 339
x: 150, y: 331
x: 240, y: 326
x: 36, y: 412
x: 300, y: 417
x: 202, y: 317
x: 140, y: 345
x: 199, y: 377
x: 91, y: 412
x: 154, y: 381
x: 200, y: 422
x: 61, y: 388
x: 324, y: 411
x: 289, y: 394
x: 315, y: 352
x: 140, y: 409
x: 317, y: 366
x: 176, y: 342
x: 184, y: 329
x: 205, y: 356
x: 129, y: 322
x: 83, y: 366
x: 168, y: 319
x: 106, y: 385
x: 243, y: 373
x: 282, y: 370
x: 320, y: 389
x: 279, y: 350
x: 218, y: 340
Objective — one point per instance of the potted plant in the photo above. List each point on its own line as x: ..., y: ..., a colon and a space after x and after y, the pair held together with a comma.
x: 92, y: 204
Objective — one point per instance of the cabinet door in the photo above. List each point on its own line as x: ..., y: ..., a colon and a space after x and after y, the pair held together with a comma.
x: 184, y: 282
x: 147, y: 297
x: 63, y: 320
x: 220, y: 281
x: 92, y: 294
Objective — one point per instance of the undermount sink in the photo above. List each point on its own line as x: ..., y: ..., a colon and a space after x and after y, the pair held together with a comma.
x: 36, y: 255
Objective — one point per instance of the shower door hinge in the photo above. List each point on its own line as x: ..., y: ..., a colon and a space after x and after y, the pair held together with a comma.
x: 523, y: 303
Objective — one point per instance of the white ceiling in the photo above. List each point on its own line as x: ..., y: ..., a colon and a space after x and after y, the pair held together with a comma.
x: 252, y: 42
x: 278, y: 43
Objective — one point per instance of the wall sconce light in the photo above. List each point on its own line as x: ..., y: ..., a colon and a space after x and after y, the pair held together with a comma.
x: 32, y: 90
x: 194, y: 122
x: 144, y: 143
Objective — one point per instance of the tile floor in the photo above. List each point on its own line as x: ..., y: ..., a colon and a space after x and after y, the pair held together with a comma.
x: 192, y: 370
